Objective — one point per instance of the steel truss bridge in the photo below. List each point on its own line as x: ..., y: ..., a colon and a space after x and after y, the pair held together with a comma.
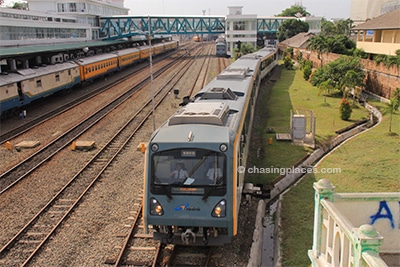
x: 127, y: 26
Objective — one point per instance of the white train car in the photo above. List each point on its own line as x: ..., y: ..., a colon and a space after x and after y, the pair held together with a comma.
x: 193, y: 185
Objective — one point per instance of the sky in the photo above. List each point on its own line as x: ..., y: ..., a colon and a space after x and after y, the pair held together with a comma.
x: 323, y: 8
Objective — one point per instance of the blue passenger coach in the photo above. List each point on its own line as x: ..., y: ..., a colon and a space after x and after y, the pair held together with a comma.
x: 207, y: 140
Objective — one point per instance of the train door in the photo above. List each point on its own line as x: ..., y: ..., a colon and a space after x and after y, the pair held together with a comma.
x: 21, y: 96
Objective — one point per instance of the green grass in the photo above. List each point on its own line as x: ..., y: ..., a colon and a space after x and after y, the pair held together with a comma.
x: 275, y: 101
x: 368, y: 162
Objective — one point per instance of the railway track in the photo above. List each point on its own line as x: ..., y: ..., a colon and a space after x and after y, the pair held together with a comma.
x: 137, y: 249
x: 184, y: 256
x: 27, y: 166
x: 30, y: 239
x: 92, y: 91
x: 202, y: 75
x: 222, y: 64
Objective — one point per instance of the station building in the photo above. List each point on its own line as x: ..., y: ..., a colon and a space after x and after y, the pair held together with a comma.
x: 243, y: 27
x: 54, y: 22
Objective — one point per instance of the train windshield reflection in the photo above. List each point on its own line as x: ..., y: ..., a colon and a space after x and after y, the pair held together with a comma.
x: 188, y: 167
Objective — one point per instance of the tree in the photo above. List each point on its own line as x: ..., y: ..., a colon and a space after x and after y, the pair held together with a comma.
x: 245, y: 48
x: 294, y: 11
x: 336, y: 71
x: 326, y: 86
x: 345, y: 109
x: 339, y: 44
x: 393, y: 106
x: 318, y: 43
x: 341, y: 27
x: 351, y: 81
x: 20, y: 5
x: 290, y: 28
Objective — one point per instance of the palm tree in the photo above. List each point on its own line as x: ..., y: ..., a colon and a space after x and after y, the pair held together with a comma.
x: 318, y: 43
x: 393, y: 106
x: 351, y: 80
x: 326, y: 86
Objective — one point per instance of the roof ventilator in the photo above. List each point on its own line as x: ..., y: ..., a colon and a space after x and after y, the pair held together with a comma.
x: 234, y: 73
x: 219, y: 93
x: 215, y: 113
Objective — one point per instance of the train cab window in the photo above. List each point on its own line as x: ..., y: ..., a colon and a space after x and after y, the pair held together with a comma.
x: 194, y: 168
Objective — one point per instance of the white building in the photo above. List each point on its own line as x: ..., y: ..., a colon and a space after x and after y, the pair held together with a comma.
x: 240, y: 27
x: 243, y: 28
x: 52, y: 22
x: 22, y: 27
x: 361, y: 10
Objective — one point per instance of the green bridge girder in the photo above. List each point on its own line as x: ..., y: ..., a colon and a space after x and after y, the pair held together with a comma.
x: 269, y: 25
x: 127, y: 26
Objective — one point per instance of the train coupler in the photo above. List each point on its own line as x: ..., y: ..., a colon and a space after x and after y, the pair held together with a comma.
x: 188, y: 236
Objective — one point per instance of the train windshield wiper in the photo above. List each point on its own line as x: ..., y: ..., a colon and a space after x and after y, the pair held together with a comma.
x: 210, y: 189
x: 167, y: 190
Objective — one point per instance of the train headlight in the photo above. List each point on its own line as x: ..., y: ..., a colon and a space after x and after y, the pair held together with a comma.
x: 155, y: 207
x: 223, y: 147
x: 219, y: 209
x: 154, y: 147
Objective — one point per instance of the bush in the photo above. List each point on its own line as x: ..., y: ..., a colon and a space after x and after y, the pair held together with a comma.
x: 307, y: 72
x: 345, y: 109
x: 287, y: 62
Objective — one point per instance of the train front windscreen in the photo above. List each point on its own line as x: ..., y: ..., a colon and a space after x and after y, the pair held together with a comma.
x: 175, y: 171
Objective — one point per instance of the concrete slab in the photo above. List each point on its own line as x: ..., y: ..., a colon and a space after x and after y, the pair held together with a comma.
x: 84, y: 145
x: 27, y: 144
x: 283, y: 137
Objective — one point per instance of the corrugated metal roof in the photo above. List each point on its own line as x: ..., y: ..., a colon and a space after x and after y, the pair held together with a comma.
x: 21, y: 50
x: 390, y: 20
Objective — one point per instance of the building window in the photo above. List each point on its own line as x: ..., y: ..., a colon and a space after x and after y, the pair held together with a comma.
x: 238, y: 25
x: 72, y: 7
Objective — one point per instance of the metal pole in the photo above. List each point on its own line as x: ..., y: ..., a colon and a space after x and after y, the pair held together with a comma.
x: 151, y: 75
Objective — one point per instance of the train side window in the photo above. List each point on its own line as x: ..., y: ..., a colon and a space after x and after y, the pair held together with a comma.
x: 38, y: 83
x: 57, y: 77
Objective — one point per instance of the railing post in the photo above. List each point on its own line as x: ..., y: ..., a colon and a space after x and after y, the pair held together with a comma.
x: 365, y: 238
x: 323, y: 190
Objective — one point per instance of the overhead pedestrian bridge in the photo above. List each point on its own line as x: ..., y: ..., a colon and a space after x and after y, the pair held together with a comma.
x: 118, y: 27
x: 128, y: 26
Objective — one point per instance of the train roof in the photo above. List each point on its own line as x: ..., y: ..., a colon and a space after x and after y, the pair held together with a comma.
x: 35, y: 72
x: 193, y: 133
x: 216, y: 112
x: 230, y: 86
x: 126, y: 51
x: 89, y: 60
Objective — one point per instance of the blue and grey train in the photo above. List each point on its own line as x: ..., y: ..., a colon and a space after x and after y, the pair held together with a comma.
x: 192, y: 186
x: 22, y: 87
x: 220, y: 47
